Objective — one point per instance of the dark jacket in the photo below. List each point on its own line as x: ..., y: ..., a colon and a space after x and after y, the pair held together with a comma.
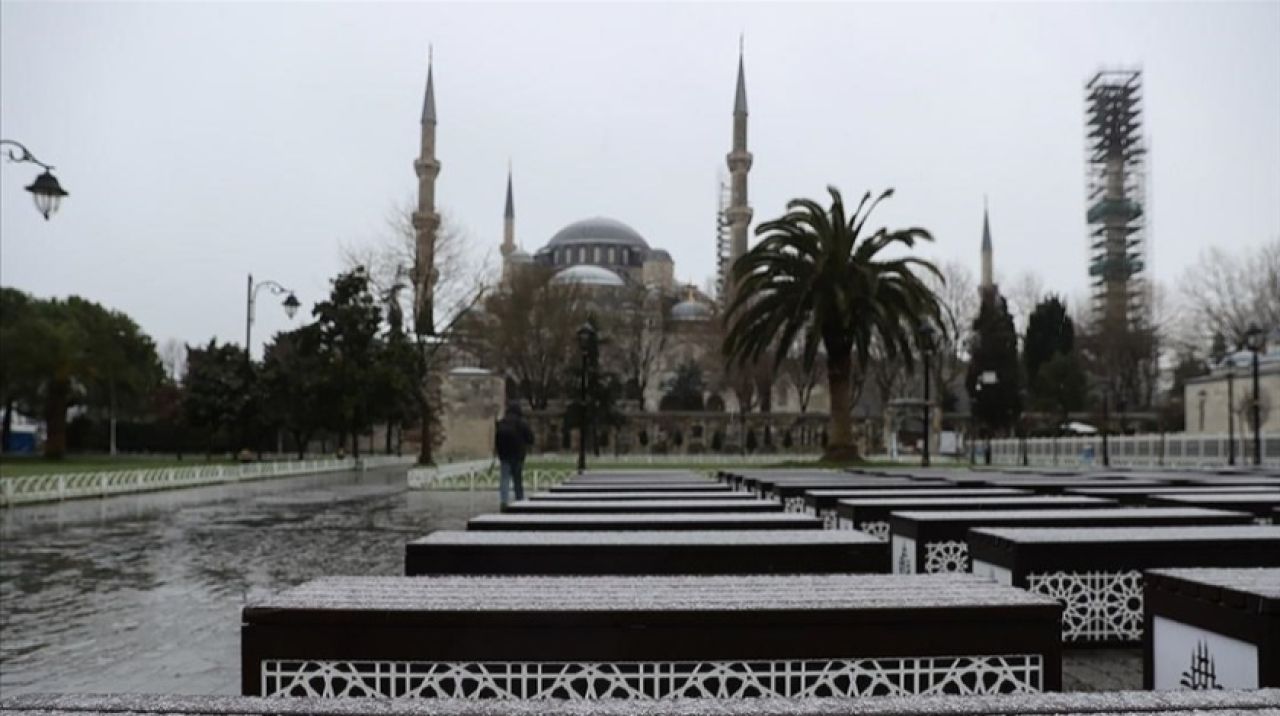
x: 513, y: 438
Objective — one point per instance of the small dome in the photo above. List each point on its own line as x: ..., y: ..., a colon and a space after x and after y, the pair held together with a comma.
x: 659, y: 255
x: 690, y: 310
x: 520, y: 256
x: 599, y: 230
x: 588, y: 275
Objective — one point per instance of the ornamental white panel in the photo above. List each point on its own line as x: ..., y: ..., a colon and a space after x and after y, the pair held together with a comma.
x: 1096, y: 606
x: 904, y: 555
x: 1188, y: 657
x: 946, y: 556
x: 794, y: 504
x: 830, y: 519
x: 1015, y: 673
x: 876, y: 528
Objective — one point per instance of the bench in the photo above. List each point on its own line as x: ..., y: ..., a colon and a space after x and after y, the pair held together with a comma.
x: 1097, y: 572
x: 649, y: 637
x: 688, y: 552
x: 872, y: 515
x: 665, y: 486
x: 1056, y: 485
x: 1260, y: 505
x: 1125, y: 703
x: 647, y: 521
x: 823, y: 502
x: 1141, y: 495
x: 936, y: 541
x: 571, y: 507
x: 792, y: 493
x: 640, y: 495
x: 1211, y: 629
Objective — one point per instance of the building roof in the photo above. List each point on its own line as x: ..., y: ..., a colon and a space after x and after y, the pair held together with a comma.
x: 588, y: 275
x: 659, y: 255
x: 690, y: 310
x: 520, y: 256
x: 599, y: 230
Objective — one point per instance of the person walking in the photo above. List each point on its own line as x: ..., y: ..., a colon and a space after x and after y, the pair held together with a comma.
x: 512, y: 439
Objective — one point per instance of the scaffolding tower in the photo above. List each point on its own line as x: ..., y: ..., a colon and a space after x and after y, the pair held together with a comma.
x: 724, y: 248
x: 1116, y: 188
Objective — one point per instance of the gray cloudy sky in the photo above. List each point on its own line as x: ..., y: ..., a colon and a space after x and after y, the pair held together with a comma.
x: 204, y: 141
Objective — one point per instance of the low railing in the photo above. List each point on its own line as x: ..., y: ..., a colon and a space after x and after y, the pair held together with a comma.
x: 27, y: 489
x: 1153, y: 450
x: 482, y: 475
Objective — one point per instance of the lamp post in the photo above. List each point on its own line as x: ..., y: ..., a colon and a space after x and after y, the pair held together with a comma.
x: 1254, y: 341
x: 46, y: 190
x: 587, y: 342
x: 986, y: 379
x: 926, y: 340
x: 290, y: 308
x: 1230, y: 362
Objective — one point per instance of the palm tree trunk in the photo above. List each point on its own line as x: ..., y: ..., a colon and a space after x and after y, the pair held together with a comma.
x: 840, y: 445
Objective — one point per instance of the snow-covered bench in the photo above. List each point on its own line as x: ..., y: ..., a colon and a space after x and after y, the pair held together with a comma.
x: 650, y: 637
x: 1096, y: 572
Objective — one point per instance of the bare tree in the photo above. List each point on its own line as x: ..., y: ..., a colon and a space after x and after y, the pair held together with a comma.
x: 173, y: 357
x: 637, y: 334
x: 455, y: 281
x: 1224, y: 293
x: 958, y: 295
x: 1022, y: 296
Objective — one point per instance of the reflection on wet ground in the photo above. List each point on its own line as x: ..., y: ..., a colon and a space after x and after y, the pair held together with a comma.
x: 143, y: 593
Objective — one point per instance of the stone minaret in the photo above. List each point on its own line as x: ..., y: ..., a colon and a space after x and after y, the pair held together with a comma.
x: 738, y: 214
x: 426, y: 220
x: 508, y: 222
x: 988, y: 283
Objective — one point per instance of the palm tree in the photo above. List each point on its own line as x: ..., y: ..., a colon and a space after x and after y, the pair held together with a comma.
x: 812, y: 279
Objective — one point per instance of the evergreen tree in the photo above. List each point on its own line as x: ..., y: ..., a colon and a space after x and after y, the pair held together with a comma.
x: 994, y: 352
x: 1050, y: 332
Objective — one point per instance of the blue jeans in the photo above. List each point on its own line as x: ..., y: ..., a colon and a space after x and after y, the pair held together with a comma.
x: 508, y: 473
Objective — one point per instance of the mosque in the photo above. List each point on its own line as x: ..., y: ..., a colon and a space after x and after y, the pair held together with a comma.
x: 614, y: 263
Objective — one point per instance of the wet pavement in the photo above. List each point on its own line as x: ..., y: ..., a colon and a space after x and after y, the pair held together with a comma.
x: 142, y: 593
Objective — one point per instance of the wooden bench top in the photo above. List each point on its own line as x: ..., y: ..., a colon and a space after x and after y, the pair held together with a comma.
x: 549, y: 507
x: 662, y: 598
x: 648, y: 521
x: 638, y: 553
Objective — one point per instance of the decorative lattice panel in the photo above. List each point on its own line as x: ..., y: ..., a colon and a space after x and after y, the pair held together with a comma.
x: 654, y: 680
x: 946, y: 556
x: 1096, y: 606
x: 830, y: 520
x: 877, y: 529
x: 794, y: 504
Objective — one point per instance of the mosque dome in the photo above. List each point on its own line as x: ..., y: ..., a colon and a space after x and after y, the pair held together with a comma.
x: 599, y: 230
x: 588, y: 275
x: 690, y: 310
x: 520, y: 256
x: 659, y: 255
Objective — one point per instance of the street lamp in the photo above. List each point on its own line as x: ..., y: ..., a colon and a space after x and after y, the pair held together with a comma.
x: 587, y: 346
x: 46, y: 190
x: 927, y: 344
x: 1230, y: 362
x: 1254, y: 341
x: 290, y: 304
x: 986, y: 379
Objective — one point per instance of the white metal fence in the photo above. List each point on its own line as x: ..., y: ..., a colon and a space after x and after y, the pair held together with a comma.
x: 1154, y: 450
x: 26, y: 489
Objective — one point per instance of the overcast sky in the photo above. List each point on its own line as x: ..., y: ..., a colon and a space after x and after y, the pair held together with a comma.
x: 201, y: 142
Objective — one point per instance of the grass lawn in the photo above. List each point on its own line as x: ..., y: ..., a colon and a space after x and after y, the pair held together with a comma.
x: 13, y: 466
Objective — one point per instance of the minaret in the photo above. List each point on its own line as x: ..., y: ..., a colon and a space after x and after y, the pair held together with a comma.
x: 987, y: 282
x: 508, y: 222
x: 738, y: 214
x: 426, y: 220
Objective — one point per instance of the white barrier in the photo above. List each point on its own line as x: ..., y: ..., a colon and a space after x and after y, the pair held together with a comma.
x: 26, y: 489
x: 1153, y: 450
